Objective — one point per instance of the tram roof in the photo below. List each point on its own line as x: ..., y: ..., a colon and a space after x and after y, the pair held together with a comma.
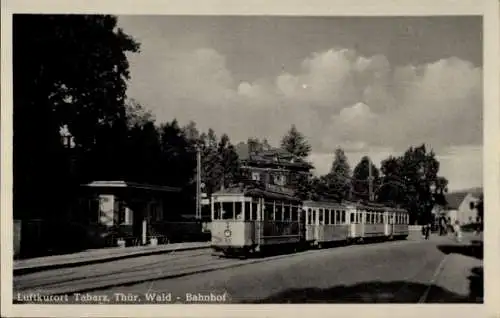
x: 259, y: 193
x: 326, y: 203
x: 346, y: 204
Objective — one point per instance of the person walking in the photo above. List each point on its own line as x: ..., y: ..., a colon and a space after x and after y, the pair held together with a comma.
x: 458, y: 231
x: 427, y: 230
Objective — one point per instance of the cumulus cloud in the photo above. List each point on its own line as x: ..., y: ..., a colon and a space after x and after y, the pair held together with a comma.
x: 336, y: 96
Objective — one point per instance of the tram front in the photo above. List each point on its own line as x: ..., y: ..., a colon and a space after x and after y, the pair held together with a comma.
x: 232, y: 229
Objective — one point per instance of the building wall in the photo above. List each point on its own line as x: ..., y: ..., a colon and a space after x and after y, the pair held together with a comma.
x: 465, y: 213
x: 107, y: 209
x: 453, y: 215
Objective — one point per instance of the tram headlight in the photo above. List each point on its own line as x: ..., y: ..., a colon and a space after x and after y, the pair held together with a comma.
x: 227, y: 233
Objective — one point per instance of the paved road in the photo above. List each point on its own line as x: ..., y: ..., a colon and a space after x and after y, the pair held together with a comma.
x: 384, y: 272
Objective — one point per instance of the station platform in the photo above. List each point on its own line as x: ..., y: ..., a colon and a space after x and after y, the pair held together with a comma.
x: 99, y: 255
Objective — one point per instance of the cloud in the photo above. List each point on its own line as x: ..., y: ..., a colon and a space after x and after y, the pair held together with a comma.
x: 335, y: 97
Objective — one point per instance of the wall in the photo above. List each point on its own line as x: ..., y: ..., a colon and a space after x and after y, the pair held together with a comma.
x: 107, y: 208
x: 465, y: 213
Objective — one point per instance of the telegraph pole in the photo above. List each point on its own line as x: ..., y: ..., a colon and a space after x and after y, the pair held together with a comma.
x: 370, y: 180
x: 198, y: 183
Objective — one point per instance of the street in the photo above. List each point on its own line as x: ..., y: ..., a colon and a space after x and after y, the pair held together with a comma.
x: 401, y: 271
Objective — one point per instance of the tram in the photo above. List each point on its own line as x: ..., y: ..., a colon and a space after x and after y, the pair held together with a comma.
x: 247, y: 221
x: 326, y: 222
x: 378, y: 222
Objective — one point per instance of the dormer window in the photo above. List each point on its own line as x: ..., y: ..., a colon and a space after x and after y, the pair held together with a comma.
x: 279, y: 180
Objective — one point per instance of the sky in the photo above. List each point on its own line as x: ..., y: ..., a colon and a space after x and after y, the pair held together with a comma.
x: 371, y: 85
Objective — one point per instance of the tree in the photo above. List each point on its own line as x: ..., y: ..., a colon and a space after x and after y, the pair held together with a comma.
x: 360, y: 179
x: 211, y: 169
x: 177, y: 162
x: 338, y: 180
x: 229, y: 163
x: 412, y: 181
x: 144, y: 154
x: 136, y: 114
x: 295, y: 143
x: 256, y: 145
x: 392, y: 188
x: 69, y: 70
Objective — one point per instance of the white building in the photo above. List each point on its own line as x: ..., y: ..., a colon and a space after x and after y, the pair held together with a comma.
x: 461, y: 206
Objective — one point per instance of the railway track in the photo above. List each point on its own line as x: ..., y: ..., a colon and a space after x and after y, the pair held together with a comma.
x: 97, y: 278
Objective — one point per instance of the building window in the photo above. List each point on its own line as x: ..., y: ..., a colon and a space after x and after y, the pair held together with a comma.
x: 94, y: 210
x: 255, y: 176
x: 120, y: 211
x: 279, y: 179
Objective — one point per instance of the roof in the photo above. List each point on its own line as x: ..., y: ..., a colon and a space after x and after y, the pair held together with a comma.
x: 275, y: 156
x: 131, y: 185
x: 255, y: 192
x: 454, y: 199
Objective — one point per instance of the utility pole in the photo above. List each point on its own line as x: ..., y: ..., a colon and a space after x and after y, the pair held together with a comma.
x: 198, y: 183
x: 370, y: 180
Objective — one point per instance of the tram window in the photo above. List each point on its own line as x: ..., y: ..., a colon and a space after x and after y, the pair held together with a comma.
x: 217, y: 211
x: 254, y: 210
x: 268, y: 211
x: 351, y: 218
x: 227, y: 210
x: 321, y: 217
x: 238, y: 210
x: 294, y: 213
x: 337, y: 217
x: 279, y: 211
x: 327, y: 216
x: 286, y: 213
x: 343, y: 217
x: 248, y: 212
x: 309, y: 216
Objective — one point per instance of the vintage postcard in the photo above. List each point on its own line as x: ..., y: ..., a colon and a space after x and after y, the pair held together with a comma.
x: 241, y: 159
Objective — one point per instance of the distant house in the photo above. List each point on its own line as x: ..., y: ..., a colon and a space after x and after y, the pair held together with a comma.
x: 460, y: 206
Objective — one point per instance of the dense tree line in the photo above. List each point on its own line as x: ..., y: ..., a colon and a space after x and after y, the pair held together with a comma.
x: 77, y: 81
x: 409, y: 181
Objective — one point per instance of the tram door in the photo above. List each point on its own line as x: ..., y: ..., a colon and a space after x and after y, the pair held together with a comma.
x: 302, y: 223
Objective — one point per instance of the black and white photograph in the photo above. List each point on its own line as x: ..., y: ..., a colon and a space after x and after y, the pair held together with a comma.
x: 186, y: 159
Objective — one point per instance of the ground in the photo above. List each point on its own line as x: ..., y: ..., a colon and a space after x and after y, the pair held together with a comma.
x: 438, y: 270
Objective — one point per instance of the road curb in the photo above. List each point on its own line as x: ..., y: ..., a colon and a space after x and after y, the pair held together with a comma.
x: 45, y: 267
